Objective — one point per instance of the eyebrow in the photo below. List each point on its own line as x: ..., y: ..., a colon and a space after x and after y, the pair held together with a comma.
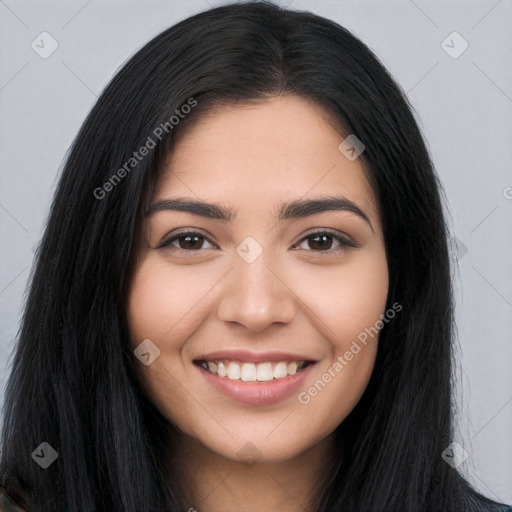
x: 292, y: 210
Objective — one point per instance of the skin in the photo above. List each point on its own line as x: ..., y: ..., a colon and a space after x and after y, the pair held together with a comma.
x: 297, y: 296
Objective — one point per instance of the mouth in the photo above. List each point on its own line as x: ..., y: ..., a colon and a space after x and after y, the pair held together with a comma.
x: 255, y: 378
x: 253, y: 372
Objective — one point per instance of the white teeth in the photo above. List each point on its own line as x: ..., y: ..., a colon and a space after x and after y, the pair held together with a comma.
x: 233, y: 371
x: 221, y: 370
x: 248, y: 373
x: 264, y: 372
x: 292, y: 368
x: 280, y: 371
x: 251, y: 372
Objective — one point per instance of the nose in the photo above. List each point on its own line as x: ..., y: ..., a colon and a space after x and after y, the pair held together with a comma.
x: 256, y: 295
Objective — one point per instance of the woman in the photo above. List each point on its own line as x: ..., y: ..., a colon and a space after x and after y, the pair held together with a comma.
x: 242, y: 298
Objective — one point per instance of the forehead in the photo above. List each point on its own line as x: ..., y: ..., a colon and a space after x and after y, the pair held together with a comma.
x: 255, y: 155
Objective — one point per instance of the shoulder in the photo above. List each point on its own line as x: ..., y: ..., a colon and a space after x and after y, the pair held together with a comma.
x: 485, y: 504
x: 7, y: 502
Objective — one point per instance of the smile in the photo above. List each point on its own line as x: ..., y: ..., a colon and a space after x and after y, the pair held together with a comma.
x: 255, y: 377
x: 254, y: 372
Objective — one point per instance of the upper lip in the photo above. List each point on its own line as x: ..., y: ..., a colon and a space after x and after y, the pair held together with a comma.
x: 251, y: 356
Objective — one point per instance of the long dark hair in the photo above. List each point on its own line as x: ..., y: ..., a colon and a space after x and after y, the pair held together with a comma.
x: 73, y: 381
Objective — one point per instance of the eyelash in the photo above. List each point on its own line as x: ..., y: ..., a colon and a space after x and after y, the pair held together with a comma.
x: 344, y: 242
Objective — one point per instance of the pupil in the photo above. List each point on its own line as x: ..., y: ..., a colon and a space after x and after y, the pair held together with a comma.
x: 321, y: 244
x: 186, y: 240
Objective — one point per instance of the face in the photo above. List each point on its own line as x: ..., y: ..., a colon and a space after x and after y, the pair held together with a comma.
x: 263, y: 287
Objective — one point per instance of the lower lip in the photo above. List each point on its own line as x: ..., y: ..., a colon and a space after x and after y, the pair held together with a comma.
x: 258, y: 393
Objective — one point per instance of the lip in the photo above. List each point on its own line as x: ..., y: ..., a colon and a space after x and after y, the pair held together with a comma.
x: 248, y: 356
x: 258, y: 393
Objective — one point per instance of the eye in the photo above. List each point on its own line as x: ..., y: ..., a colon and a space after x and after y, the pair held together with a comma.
x: 322, y: 241
x: 187, y: 241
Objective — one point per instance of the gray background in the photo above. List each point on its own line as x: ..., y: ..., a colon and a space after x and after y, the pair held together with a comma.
x: 463, y: 106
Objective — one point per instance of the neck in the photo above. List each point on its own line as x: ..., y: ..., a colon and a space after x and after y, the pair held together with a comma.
x: 212, y: 483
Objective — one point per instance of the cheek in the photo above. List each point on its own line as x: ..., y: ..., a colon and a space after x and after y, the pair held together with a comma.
x: 349, y: 300
x: 160, y: 301
x: 146, y: 307
x: 350, y: 304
